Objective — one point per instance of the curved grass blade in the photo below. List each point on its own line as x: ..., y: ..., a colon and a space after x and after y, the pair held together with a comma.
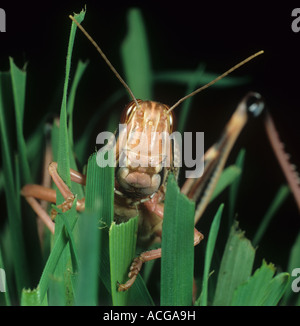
x: 14, y: 218
x: 213, y: 233
x: 228, y: 176
x: 278, y: 200
x: 63, y: 163
x: 80, y: 69
x: 62, y: 278
x: 18, y: 78
x: 54, y: 257
x: 276, y: 289
x: 261, y: 289
x: 233, y: 190
x: 136, y: 58
x: 186, y: 106
x: 236, y: 266
x: 184, y: 77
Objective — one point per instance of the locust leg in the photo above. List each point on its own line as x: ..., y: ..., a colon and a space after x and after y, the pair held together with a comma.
x: 283, y: 159
x: 33, y: 192
x: 147, y: 256
x: 201, y: 189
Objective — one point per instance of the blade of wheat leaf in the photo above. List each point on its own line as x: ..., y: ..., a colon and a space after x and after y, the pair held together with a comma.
x: 61, y: 283
x: 236, y: 266
x: 18, y: 78
x: 202, y: 78
x: 93, y: 241
x: 261, y: 289
x: 14, y: 218
x: 177, y: 263
x: 210, y: 246
x: 122, y: 242
x: 136, y: 63
x: 278, y: 200
x: 233, y: 190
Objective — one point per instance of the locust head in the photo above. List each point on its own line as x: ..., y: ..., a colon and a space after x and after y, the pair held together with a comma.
x: 144, y: 150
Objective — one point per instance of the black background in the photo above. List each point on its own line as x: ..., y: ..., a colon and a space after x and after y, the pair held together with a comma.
x: 181, y: 34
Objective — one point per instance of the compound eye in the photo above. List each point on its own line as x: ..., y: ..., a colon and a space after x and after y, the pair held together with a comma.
x: 255, y: 104
x: 127, y: 111
x: 172, y: 121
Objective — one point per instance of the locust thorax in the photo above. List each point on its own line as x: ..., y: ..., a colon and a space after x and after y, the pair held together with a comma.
x: 144, y: 150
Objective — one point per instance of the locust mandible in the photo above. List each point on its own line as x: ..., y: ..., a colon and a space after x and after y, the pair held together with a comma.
x: 142, y: 187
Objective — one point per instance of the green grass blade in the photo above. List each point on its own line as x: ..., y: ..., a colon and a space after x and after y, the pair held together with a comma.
x: 228, y: 176
x: 63, y: 168
x: 56, y: 293
x: 89, y: 256
x: 236, y: 266
x: 278, y: 200
x: 252, y: 292
x: 23, y: 173
x: 54, y: 257
x: 63, y: 163
x: 212, y: 237
x: 122, y: 243
x: 261, y: 289
x: 294, y: 262
x: 14, y: 218
x: 184, y: 77
x: 18, y: 78
x: 60, y: 278
x: 136, y: 58
x: 69, y: 234
x: 276, y: 289
x: 234, y: 187
x: 80, y: 69
x: 177, y: 264
x: 186, y: 106
x: 139, y: 295
x: 91, y: 245
x: 102, y: 192
x: 32, y: 298
x: 100, y: 199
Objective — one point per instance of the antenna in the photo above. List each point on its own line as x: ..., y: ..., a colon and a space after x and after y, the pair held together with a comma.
x: 105, y: 59
x: 216, y: 79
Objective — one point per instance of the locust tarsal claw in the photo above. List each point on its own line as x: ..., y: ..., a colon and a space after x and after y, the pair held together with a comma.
x: 134, y: 271
x: 65, y: 206
x: 135, y: 267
